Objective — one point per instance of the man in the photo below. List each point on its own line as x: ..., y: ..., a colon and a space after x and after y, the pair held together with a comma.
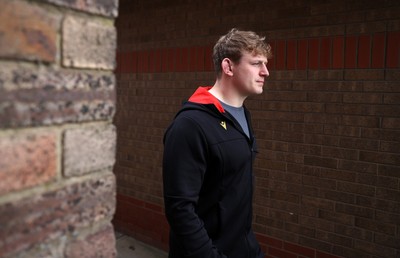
x: 208, y: 155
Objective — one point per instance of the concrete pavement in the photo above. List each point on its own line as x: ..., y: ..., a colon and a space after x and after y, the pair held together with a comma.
x: 128, y: 247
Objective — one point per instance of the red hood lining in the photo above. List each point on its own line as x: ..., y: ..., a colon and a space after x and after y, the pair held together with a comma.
x: 202, y: 96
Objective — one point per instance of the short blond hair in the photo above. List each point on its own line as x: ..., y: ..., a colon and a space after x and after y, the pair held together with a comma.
x: 234, y: 43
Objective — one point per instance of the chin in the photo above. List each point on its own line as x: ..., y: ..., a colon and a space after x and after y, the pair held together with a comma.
x: 258, y: 91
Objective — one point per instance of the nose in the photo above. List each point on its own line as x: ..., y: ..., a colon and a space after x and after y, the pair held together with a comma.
x: 264, y: 70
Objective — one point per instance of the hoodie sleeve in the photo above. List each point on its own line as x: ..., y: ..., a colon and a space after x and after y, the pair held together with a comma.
x: 184, y: 166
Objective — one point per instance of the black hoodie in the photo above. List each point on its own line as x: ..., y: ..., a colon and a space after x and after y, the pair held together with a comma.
x: 208, y: 182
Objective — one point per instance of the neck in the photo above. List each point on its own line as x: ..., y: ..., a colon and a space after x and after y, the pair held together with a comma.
x: 227, y: 94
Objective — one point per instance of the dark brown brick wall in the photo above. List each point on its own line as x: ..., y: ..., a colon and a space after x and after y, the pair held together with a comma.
x: 328, y: 171
x: 57, y: 141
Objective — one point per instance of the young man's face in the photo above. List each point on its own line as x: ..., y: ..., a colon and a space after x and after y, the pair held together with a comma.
x: 250, y: 73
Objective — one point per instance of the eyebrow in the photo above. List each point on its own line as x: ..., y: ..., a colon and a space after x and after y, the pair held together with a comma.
x: 257, y: 60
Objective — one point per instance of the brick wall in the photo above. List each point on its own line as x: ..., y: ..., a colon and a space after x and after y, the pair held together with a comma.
x: 328, y: 125
x: 57, y: 143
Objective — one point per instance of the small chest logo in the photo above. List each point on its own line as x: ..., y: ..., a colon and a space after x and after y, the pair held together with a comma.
x: 223, y: 124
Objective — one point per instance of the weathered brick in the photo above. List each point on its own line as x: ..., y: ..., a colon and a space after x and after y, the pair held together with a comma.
x: 99, y: 244
x: 31, y: 95
x: 96, y: 37
x: 27, y: 159
x: 28, y: 31
x: 88, y: 149
x: 54, y: 213
x: 103, y: 7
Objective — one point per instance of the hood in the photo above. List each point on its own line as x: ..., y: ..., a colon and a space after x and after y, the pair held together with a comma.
x: 202, y: 96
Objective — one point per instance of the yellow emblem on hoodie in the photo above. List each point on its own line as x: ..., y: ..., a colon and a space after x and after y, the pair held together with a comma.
x: 223, y: 124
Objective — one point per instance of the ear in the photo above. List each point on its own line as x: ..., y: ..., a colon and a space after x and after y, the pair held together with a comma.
x: 227, y: 67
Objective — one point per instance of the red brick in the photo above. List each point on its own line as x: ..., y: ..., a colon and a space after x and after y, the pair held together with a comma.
x: 338, y: 52
x: 391, y: 123
x: 350, y: 52
x: 269, y: 241
x: 364, y: 74
x: 28, y: 31
x: 393, y: 51
x: 200, y: 59
x: 388, y: 170
x: 359, y: 143
x: 313, y: 53
x: 334, y: 238
x: 324, y: 112
x: 123, y: 62
x: 164, y: 60
x: 371, y: 98
x: 357, y: 211
x: 208, y: 62
x: 302, y: 48
x: 291, y: 54
x: 151, y: 64
x: 388, y: 194
x: 280, y: 253
x: 378, y: 50
x: 182, y: 59
x: 325, y: 53
x: 320, y: 254
x: 324, y: 96
x: 133, y: 62
x: 375, y: 226
x: 143, y: 65
x: 320, y: 161
x: 192, y: 59
x: 378, y: 157
x: 171, y: 60
x: 157, y: 60
x: 364, y: 51
x: 315, y: 243
x: 118, y: 63
x: 272, y: 60
x: 318, y: 203
x: 349, y: 187
x: 357, y: 166
x: 144, y: 219
x: 28, y: 159
x: 339, y: 153
x: 342, y: 130
x: 280, y: 55
x: 339, y: 218
x: 392, y: 75
x: 363, y: 121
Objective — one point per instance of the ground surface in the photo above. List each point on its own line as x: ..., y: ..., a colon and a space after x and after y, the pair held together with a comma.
x: 128, y: 247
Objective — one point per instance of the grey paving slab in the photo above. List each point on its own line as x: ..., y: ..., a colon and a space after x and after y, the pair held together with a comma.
x: 128, y: 247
